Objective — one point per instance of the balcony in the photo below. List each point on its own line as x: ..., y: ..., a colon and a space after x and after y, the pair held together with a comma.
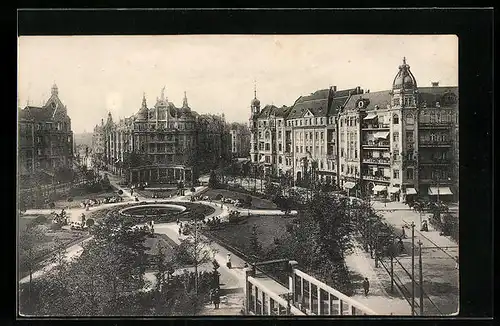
x: 371, y: 160
x: 434, y: 143
x: 375, y: 126
x: 441, y: 161
x: 372, y: 144
x: 331, y: 156
x: 434, y: 125
x: 376, y: 178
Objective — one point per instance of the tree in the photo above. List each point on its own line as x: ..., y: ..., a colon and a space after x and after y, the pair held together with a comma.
x: 30, y: 247
x: 213, y: 181
x: 164, y: 268
x: 255, y: 246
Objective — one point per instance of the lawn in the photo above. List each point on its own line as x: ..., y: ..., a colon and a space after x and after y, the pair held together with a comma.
x: 80, y: 195
x: 257, y: 203
x: 238, y: 236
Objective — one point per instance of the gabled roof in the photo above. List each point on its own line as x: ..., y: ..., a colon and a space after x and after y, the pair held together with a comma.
x: 431, y: 95
x: 318, y: 103
x: 37, y: 113
x: 381, y: 98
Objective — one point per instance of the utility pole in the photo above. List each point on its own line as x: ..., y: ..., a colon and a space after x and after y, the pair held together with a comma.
x: 392, y: 264
x: 421, y: 278
x: 412, y: 268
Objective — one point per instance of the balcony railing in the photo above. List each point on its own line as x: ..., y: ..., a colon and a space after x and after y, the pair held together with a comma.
x: 435, y: 161
x: 376, y: 144
x: 430, y: 125
x: 376, y: 178
x: 377, y: 160
x: 432, y: 143
x: 375, y: 126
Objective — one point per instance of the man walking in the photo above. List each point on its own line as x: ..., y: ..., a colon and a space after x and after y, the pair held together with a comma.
x: 366, y: 286
x: 216, y: 299
x: 228, y: 264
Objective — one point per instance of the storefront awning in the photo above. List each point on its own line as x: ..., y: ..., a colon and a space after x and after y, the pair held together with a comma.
x: 381, y: 134
x: 379, y: 188
x: 411, y: 191
x: 393, y: 190
x: 349, y: 185
x: 370, y: 116
x: 434, y: 191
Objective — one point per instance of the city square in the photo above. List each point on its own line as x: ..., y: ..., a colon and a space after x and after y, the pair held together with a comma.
x: 182, y: 186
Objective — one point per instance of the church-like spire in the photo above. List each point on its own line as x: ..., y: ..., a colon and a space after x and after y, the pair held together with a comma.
x: 163, y: 93
x: 55, y: 90
x: 185, y: 101
x: 254, y: 89
x: 144, y: 104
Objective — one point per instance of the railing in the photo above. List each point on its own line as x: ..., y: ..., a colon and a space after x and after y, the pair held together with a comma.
x: 377, y: 160
x: 375, y: 126
x: 374, y: 144
x: 434, y: 142
x: 325, y: 300
x: 262, y: 301
x: 435, y: 161
x: 434, y: 124
x: 376, y: 178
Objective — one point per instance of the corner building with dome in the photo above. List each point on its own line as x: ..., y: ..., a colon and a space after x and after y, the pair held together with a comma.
x: 397, y: 144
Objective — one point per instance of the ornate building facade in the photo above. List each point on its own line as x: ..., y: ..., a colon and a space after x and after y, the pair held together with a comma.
x: 164, y: 144
x: 45, y: 140
x: 240, y: 140
x: 408, y: 140
x: 396, y: 143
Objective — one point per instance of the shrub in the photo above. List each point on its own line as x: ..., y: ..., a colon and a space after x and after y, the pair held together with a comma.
x: 40, y: 220
x: 55, y: 226
x: 120, y: 192
x: 90, y: 222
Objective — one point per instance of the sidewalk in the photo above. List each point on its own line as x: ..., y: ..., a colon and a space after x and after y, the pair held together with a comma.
x: 360, y: 263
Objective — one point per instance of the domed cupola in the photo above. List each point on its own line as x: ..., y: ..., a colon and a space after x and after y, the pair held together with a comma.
x: 143, y: 111
x: 255, y: 102
x: 404, y: 79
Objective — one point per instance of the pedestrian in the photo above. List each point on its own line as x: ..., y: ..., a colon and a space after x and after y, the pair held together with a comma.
x: 180, y: 230
x: 211, y: 295
x: 228, y: 263
x: 404, y: 233
x: 456, y: 262
x: 366, y: 285
x: 401, y: 245
x: 177, y: 221
x: 216, y: 299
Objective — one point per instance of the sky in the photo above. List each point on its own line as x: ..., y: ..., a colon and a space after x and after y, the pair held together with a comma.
x: 100, y: 74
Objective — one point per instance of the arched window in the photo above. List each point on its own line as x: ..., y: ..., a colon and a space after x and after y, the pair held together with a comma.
x: 268, y: 147
x: 395, y: 119
x: 409, y: 174
x: 409, y: 119
x: 267, y: 135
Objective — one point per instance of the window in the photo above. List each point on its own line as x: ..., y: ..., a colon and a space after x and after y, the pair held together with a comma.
x: 341, y: 122
x: 268, y: 134
x: 301, y: 121
x: 296, y: 149
x: 409, y: 136
x: 409, y: 119
x: 395, y: 136
x: 260, y: 134
x: 356, y: 153
x: 396, y: 174
x: 310, y: 121
x: 342, y: 168
x: 322, y: 135
x: 315, y: 121
x: 280, y: 160
x: 301, y: 148
x: 280, y: 148
x: 395, y: 119
x: 307, y: 135
x: 317, y: 135
x: 279, y: 134
x: 321, y: 120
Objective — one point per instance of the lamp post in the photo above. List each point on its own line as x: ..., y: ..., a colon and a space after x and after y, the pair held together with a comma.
x: 421, y: 278
x: 412, y: 268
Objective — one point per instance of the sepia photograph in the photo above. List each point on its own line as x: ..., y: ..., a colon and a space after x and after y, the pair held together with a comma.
x: 238, y: 175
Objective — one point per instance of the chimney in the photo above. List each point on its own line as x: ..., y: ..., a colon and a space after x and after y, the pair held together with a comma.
x: 368, y: 91
x: 334, y: 88
x: 358, y: 90
x: 435, y: 84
